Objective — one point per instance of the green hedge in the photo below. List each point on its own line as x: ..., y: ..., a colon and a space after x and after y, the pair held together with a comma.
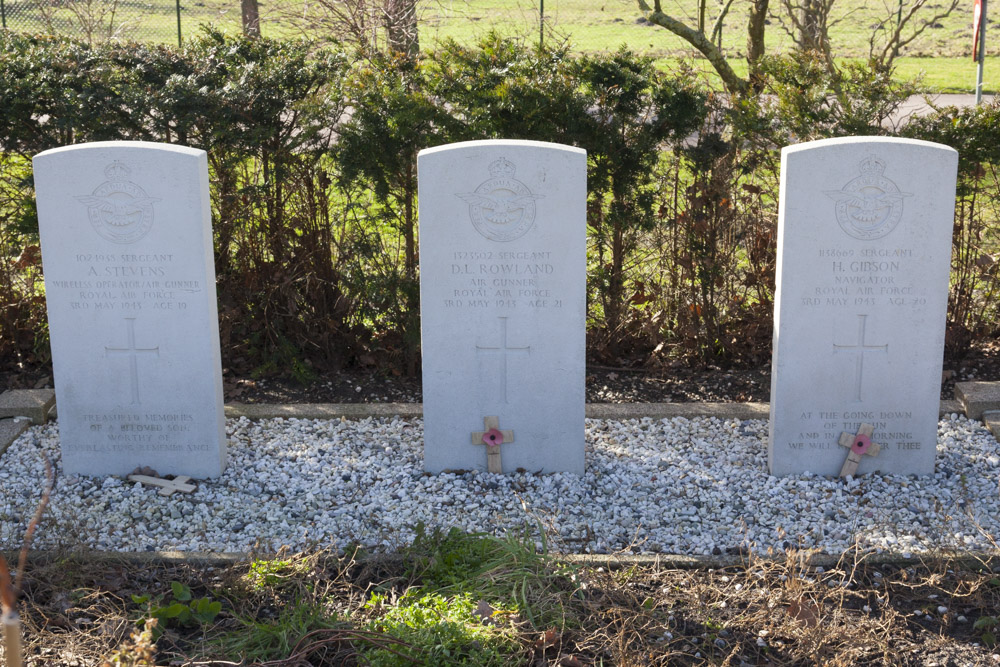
x: 312, y: 155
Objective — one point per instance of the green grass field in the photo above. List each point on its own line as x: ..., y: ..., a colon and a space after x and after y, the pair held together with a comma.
x: 142, y: 20
x: 940, y: 55
x: 605, y: 24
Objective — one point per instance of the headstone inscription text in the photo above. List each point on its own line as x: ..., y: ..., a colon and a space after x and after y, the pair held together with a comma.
x: 864, y: 250
x: 502, y: 294
x: 130, y: 289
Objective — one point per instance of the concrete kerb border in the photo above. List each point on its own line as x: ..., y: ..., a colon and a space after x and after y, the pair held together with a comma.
x: 21, y: 425
x: 981, y: 559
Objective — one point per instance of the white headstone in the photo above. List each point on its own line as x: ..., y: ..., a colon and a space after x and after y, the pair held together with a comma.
x: 503, y: 304
x: 864, y: 250
x: 130, y: 288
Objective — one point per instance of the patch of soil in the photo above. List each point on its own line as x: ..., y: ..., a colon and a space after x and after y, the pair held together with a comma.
x: 674, y: 384
x: 77, y: 611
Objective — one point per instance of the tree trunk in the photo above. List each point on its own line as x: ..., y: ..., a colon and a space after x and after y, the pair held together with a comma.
x: 251, y: 18
x: 755, y: 42
x: 401, y: 27
x: 810, y: 33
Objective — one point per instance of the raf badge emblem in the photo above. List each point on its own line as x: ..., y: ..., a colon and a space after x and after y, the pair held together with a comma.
x: 119, y: 210
x: 869, y: 206
x: 502, y: 208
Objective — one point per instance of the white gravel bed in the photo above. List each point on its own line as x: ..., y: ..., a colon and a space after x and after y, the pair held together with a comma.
x: 681, y: 486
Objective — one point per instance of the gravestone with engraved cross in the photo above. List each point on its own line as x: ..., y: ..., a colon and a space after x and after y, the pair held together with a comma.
x: 864, y: 248
x: 502, y: 300
x: 130, y: 289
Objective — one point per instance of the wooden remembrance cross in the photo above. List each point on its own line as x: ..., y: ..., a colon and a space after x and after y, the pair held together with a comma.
x: 860, y: 445
x: 492, y: 437
x: 167, y: 486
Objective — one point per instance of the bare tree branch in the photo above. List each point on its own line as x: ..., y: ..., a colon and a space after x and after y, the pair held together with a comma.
x: 370, y: 24
x: 717, y: 28
x: 698, y: 40
x: 896, y: 39
x: 29, y: 533
x: 96, y: 20
x: 807, y: 23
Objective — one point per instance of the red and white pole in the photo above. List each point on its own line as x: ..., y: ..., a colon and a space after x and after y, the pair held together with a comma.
x: 979, y: 44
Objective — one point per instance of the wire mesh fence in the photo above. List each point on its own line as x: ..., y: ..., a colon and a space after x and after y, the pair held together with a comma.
x: 95, y: 21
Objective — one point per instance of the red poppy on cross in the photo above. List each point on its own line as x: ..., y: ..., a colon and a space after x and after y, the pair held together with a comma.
x: 860, y: 445
x: 492, y: 437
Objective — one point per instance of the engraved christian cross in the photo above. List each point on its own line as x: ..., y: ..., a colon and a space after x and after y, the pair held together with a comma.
x: 503, y: 349
x: 859, y: 348
x: 132, y: 352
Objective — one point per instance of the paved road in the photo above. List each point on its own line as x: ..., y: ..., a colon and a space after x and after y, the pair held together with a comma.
x: 917, y: 104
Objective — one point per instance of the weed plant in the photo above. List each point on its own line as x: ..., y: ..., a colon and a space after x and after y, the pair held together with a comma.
x: 493, y: 570
x: 180, y: 610
x: 439, y: 630
x: 416, y: 606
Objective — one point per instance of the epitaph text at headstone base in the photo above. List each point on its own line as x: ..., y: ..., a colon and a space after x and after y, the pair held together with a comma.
x: 503, y: 305
x: 130, y: 289
x: 864, y: 249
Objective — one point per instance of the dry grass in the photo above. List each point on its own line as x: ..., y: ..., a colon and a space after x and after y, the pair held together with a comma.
x: 79, y: 611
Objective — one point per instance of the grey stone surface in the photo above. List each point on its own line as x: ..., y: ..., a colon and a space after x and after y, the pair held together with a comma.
x: 977, y: 397
x: 950, y: 407
x: 9, y: 430
x: 32, y: 403
x: 864, y: 251
x: 991, y: 418
x: 126, y: 241
x: 378, y: 457
x: 503, y: 303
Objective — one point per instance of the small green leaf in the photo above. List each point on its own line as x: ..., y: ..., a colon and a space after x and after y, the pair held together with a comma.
x: 208, y: 615
x: 176, y: 610
x: 989, y: 639
x: 985, y: 622
x: 995, y: 581
x: 182, y: 593
x: 140, y: 599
